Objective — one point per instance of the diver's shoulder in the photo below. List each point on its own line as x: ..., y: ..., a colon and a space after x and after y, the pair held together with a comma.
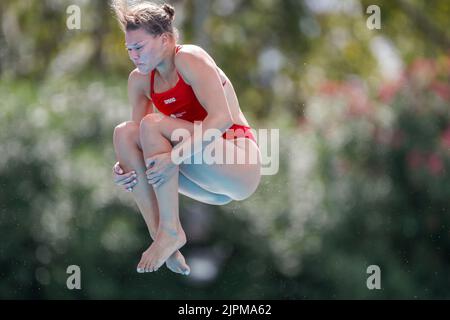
x: 191, y: 51
x: 138, y: 80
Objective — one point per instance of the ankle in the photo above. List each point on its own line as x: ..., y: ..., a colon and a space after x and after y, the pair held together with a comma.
x: 172, y: 230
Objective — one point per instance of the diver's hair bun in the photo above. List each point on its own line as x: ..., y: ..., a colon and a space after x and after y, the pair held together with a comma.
x: 154, y: 18
x: 169, y: 10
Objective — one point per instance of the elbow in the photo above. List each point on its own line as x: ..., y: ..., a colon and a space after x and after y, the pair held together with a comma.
x: 221, y: 122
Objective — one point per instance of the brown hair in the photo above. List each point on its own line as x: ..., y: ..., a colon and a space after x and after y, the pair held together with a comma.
x: 153, y: 18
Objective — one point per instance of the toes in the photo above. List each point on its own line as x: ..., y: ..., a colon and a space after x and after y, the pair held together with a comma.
x: 154, y: 267
x: 158, y: 265
x: 148, y: 263
x: 141, y: 266
x: 148, y: 268
x: 186, y: 271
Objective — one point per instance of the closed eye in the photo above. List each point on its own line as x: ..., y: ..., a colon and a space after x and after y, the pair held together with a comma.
x: 138, y: 48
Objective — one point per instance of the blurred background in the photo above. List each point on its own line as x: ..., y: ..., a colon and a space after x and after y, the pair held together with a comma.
x: 364, y: 124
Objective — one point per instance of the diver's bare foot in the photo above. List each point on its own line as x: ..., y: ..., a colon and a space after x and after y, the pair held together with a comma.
x: 167, y: 241
x: 177, y: 264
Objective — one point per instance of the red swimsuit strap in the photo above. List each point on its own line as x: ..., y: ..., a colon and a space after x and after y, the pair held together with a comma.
x: 152, y: 79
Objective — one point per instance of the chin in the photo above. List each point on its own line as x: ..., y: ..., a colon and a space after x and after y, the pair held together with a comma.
x: 143, y: 69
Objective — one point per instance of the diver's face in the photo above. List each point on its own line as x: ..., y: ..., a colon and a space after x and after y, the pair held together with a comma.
x: 144, y: 49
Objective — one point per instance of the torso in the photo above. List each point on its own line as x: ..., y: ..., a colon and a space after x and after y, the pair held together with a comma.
x: 160, y: 88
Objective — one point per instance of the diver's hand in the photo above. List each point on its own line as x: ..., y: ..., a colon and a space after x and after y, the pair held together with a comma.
x: 127, y: 180
x: 160, y: 168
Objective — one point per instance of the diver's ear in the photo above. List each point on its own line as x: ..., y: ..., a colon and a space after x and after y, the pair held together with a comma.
x: 166, y: 38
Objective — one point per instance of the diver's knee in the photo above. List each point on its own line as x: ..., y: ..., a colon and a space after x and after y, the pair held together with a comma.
x: 125, y: 132
x: 151, y: 120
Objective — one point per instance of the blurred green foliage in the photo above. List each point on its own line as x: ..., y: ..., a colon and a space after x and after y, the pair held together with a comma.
x: 364, y: 153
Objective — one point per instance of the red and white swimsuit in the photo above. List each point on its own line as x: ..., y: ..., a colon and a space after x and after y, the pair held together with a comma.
x: 181, y: 102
